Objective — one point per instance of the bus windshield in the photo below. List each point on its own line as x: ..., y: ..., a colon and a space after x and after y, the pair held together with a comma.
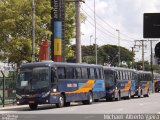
x: 109, y: 78
x: 32, y: 79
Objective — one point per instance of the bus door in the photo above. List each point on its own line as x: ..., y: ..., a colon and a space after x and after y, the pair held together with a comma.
x: 53, y: 80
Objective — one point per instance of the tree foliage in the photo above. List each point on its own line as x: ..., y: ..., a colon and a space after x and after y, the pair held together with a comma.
x: 107, y: 54
x: 16, y: 27
x: 138, y: 65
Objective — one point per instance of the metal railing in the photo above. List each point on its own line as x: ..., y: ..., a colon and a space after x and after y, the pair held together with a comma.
x: 7, y: 88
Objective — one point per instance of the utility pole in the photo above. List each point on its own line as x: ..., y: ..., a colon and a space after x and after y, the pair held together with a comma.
x: 142, y: 54
x: 78, y: 32
x: 133, y: 51
x: 152, y: 64
x: 132, y: 58
x: 152, y: 67
x: 33, y: 31
x: 119, y: 52
x: 90, y: 39
x: 95, y: 30
x: 142, y: 45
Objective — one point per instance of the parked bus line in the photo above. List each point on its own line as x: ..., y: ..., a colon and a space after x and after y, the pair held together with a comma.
x: 59, y: 83
x: 62, y: 83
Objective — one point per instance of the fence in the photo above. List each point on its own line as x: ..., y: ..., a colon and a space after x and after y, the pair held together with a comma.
x: 7, y: 87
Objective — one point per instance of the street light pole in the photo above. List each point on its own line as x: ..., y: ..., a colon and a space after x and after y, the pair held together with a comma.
x: 95, y: 30
x: 33, y: 31
x: 90, y: 39
x: 119, y: 55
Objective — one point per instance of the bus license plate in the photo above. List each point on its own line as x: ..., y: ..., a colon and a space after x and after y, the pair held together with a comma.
x: 31, y: 102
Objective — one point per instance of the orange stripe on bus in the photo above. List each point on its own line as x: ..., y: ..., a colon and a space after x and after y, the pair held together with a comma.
x: 128, y: 86
x: 147, y: 86
x: 85, y: 88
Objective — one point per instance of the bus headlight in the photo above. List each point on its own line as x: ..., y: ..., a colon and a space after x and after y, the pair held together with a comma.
x: 18, y: 96
x: 46, y: 94
x: 18, y: 102
x: 54, y: 90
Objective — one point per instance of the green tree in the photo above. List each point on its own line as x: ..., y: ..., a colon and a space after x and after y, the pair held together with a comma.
x: 16, y: 28
x: 109, y: 54
x: 156, y: 68
x: 138, y: 65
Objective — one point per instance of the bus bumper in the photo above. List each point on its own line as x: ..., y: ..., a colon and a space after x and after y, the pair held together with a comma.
x: 25, y: 101
x: 110, y: 95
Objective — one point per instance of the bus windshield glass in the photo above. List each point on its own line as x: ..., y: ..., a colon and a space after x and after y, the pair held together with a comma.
x: 109, y: 78
x: 35, y: 78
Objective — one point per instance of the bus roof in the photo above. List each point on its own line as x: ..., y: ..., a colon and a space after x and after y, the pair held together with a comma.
x: 143, y: 72
x: 52, y: 63
x: 117, y: 68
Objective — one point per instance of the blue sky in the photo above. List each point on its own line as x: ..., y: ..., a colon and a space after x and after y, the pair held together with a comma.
x: 124, y: 15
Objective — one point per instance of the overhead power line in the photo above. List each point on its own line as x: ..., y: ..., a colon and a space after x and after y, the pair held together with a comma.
x: 106, y: 32
x: 113, y: 28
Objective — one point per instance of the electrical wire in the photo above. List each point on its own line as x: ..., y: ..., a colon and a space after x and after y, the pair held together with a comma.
x: 108, y: 23
x: 106, y: 31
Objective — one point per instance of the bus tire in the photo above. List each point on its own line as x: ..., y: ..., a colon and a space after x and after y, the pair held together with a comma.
x: 96, y: 100
x: 90, y: 99
x: 109, y: 99
x: 118, y: 96
x: 60, y: 102
x: 33, y: 106
x: 66, y: 104
x: 140, y: 95
x: 129, y: 95
x: 156, y: 90
x: 147, y: 95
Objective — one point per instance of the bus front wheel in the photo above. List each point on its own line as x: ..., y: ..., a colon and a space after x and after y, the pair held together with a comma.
x: 60, y: 102
x: 33, y: 106
x: 129, y: 95
x: 118, y: 97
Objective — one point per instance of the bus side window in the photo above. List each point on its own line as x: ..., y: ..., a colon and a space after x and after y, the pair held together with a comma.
x: 123, y: 75
x: 115, y: 75
x: 127, y: 75
x: 120, y: 75
x: 96, y: 73
x: 78, y: 73
x: 101, y: 73
x: 61, y: 73
x: 91, y: 73
x: 69, y: 73
x: 84, y: 73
